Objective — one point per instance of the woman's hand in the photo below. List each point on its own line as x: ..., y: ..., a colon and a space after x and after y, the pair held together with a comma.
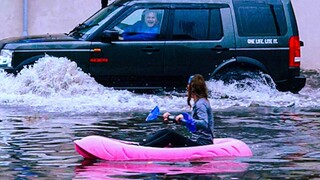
x: 179, y: 118
x: 166, y: 117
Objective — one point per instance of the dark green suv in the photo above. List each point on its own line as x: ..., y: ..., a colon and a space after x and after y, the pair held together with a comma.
x: 126, y: 46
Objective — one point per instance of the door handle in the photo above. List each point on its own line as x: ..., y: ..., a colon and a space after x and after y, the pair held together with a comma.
x: 219, y: 49
x: 150, y: 49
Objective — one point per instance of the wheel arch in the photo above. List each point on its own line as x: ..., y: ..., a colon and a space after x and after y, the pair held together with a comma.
x: 28, y: 61
x: 240, y: 61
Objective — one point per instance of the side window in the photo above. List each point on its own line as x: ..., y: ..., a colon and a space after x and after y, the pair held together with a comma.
x: 197, y: 24
x: 260, y: 19
x: 215, y: 27
x: 190, y: 24
x: 141, y: 25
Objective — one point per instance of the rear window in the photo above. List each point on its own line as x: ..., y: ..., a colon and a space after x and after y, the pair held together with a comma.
x: 260, y: 18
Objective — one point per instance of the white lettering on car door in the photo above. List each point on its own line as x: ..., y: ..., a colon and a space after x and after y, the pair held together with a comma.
x: 262, y: 41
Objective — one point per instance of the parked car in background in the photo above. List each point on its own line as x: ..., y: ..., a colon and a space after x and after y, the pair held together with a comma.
x: 209, y: 37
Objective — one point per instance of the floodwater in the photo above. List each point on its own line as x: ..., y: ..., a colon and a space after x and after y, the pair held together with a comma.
x: 46, y: 107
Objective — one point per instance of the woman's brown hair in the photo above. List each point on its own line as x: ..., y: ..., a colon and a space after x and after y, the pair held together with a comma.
x: 197, y: 86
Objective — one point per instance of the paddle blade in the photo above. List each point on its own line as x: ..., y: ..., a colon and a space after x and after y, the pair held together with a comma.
x: 190, y: 123
x: 153, y: 114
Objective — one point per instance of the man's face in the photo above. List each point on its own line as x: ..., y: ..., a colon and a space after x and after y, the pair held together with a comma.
x: 150, y: 19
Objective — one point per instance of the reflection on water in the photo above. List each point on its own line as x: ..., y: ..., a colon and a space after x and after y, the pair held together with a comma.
x: 43, y: 112
x: 93, y: 170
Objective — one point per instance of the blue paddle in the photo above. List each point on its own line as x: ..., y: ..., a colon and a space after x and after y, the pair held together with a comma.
x: 155, y: 113
x: 187, y: 119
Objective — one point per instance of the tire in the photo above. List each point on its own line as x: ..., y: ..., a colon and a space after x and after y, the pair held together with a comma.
x: 244, y: 77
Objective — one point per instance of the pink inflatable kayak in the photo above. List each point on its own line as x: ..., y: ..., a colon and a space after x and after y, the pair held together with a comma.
x: 98, y: 147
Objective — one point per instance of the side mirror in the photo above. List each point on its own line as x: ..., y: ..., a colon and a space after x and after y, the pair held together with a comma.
x: 109, y: 36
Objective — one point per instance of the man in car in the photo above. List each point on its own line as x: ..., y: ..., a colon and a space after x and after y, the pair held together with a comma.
x: 146, y: 29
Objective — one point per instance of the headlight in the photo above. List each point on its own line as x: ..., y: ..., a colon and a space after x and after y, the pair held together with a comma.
x: 5, y: 58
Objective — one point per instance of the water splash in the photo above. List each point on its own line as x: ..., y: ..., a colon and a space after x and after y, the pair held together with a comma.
x: 58, y: 85
x: 310, y: 94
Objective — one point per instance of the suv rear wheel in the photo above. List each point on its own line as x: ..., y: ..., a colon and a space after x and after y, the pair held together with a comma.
x: 244, y: 77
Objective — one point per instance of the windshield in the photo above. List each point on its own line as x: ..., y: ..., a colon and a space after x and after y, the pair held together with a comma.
x: 84, y: 29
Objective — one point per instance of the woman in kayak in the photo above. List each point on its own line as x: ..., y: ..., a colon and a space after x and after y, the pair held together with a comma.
x: 201, y: 114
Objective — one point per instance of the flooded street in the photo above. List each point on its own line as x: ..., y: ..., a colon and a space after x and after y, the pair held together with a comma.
x: 46, y: 107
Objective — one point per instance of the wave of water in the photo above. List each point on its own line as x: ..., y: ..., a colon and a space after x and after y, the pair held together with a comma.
x: 58, y: 85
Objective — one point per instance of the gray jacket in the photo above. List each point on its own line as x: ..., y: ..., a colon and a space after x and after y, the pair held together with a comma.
x: 203, y: 116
